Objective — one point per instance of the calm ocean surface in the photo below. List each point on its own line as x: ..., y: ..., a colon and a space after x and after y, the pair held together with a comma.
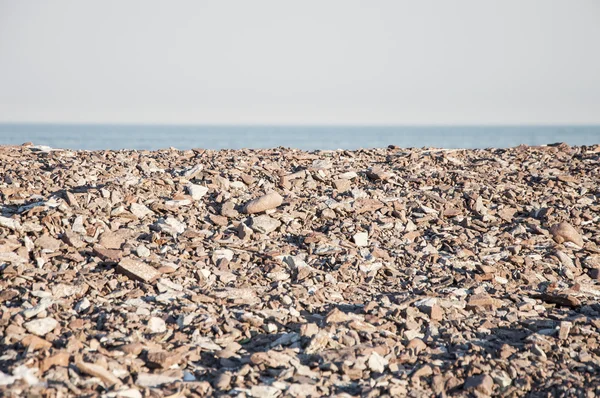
x: 309, y: 137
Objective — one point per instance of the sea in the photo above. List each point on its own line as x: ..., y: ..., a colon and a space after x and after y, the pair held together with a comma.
x: 153, y: 137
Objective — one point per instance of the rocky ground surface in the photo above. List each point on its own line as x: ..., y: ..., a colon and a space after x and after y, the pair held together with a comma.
x: 268, y: 273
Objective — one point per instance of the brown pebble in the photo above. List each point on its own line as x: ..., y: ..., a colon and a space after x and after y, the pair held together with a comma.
x: 263, y: 203
x: 98, y: 371
x: 565, y: 232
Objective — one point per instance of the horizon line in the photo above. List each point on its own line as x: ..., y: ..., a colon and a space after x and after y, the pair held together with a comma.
x: 350, y: 125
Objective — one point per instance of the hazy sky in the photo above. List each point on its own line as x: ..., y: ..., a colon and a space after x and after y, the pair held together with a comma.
x: 304, y: 61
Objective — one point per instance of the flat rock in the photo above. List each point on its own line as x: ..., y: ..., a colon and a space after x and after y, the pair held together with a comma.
x: 160, y: 358
x: 361, y: 239
x: 481, y: 301
x: 197, y: 192
x: 140, y: 210
x: 46, y: 242
x: 377, y: 363
x: 152, y: 380
x: 107, y: 254
x: 342, y: 185
x: 156, y: 325
x: 228, y: 210
x: 114, y: 240
x: 98, y: 371
x: 41, y: 327
x: 480, y: 383
x: 264, y: 224
x: 170, y: 226
x: 263, y: 391
x: 138, y: 270
x: 10, y: 223
x: 377, y: 173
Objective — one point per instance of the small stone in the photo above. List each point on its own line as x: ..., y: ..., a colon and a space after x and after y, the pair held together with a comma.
x: 564, y: 329
x: 142, y: 251
x: 178, y: 202
x: 197, y: 192
x: 309, y: 329
x: 107, y: 254
x: 140, y: 211
x: 26, y: 374
x: 342, y: 185
x: 377, y: 173
x: 270, y: 328
x: 152, y: 380
x: 318, y: 342
x: 377, y: 363
x: 361, y: 239
x: 264, y: 224
x: 435, y: 312
x: 321, y: 164
x: 263, y: 391
x: 303, y: 390
x: 501, y: 378
x: 243, y: 231
x: 41, y: 307
x: 423, y: 371
x: 594, y: 273
x: 349, y: 175
x: 41, y: 327
x: 238, y: 185
x: 82, y: 305
x: 560, y: 299
x: 481, y: 301
x: 138, y: 270
x: 10, y: 223
x: 46, y: 242
x: 219, y: 220
x: 34, y: 343
x: 98, y: 371
x: 438, y: 384
x: 539, y: 352
x: 59, y: 359
x: 170, y: 226
x: 62, y: 290
x: 222, y: 381
x: 156, y: 325
x: 132, y: 348
x: 337, y: 316
x: 228, y: 210
x: 129, y: 393
x: 193, y: 171
x: 263, y: 203
x: 78, y: 226
x: 480, y: 383
x: 222, y: 253
x: 73, y: 239
x: 111, y: 240
x: 160, y: 358
x: 565, y: 232
x: 416, y: 345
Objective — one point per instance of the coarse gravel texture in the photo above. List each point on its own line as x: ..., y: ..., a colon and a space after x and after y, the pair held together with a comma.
x: 272, y: 273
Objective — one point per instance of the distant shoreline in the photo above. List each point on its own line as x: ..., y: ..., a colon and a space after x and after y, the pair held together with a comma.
x: 302, y: 137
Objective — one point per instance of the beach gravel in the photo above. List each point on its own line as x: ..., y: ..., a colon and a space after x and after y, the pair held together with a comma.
x: 284, y: 273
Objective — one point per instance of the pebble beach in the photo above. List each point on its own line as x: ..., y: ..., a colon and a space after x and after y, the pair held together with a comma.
x: 272, y: 273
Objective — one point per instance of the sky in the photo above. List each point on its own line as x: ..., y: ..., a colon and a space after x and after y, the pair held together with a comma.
x: 382, y: 62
